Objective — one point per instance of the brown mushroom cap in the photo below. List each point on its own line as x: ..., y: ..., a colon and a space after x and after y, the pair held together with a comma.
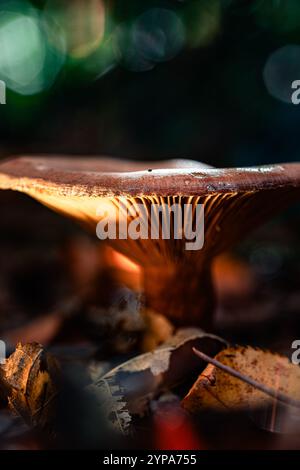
x: 71, y: 176
x: 235, y: 201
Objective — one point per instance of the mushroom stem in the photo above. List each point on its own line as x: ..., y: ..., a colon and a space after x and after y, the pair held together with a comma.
x: 184, y: 295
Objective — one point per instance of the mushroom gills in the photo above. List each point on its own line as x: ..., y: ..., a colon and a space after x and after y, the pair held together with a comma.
x: 177, y: 280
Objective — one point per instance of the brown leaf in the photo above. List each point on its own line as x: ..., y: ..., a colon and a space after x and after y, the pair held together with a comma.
x: 126, y: 390
x: 219, y: 390
x: 30, y: 377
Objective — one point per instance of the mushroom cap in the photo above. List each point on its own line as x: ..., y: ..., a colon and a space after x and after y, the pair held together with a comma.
x: 235, y: 200
x: 113, y: 177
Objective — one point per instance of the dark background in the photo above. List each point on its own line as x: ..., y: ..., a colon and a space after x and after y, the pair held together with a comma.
x: 163, y: 79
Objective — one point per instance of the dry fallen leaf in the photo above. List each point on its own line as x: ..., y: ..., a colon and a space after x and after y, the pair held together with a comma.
x: 126, y: 390
x: 219, y: 390
x: 30, y: 378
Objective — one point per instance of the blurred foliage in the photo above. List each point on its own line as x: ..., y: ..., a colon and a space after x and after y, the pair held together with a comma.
x: 206, y: 79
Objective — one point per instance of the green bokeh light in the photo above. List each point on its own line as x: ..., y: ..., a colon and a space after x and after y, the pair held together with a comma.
x: 202, y: 21
x: 28, y: 63
x: 83, y: 23
x: 281, y: 69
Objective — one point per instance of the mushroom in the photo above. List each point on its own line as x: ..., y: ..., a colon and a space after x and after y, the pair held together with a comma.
x: 177, y: 281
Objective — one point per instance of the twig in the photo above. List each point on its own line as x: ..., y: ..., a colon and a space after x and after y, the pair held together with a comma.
x: 263, y: 388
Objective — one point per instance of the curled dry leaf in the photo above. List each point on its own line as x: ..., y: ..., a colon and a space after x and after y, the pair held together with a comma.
x: 126, y: 390
x: 30, y: 379
x: 219, y: 390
